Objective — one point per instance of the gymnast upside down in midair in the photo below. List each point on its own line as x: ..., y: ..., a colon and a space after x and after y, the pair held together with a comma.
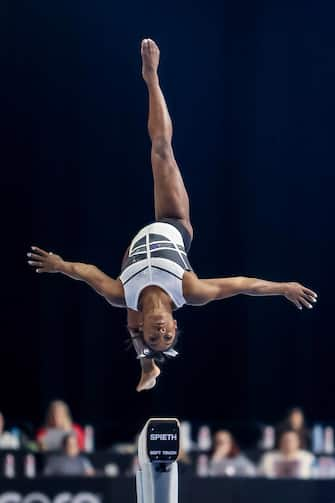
x: 156, y: 277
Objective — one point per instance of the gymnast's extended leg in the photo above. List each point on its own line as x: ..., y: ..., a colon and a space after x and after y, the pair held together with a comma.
x: 171, y: 199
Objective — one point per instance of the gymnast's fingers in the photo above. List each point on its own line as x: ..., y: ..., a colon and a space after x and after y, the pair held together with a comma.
x: 297, y: 304
x: 34, y: 256
x: 309, y: 292
x: 40, y: 251
x: 310, y: 298
x: 305, y: 303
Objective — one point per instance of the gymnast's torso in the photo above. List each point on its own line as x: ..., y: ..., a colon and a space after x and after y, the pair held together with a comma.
x: 157, y: 256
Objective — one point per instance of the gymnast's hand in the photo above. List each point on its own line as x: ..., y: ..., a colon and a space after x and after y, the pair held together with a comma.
x: 44, y: 261
x: 299, y: 295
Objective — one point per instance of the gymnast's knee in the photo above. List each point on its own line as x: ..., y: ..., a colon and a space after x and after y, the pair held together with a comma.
x: 162, y: 148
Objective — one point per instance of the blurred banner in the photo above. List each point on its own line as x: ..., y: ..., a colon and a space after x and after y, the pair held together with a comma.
x: 192, y: 490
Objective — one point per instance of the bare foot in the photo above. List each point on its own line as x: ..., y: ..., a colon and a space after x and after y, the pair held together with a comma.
x: 150, y: 60
x: 148, y: 379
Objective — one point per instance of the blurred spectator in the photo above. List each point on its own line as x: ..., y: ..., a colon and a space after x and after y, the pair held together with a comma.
x: 227, y: 459
x: 7, y: 440
x: 295, y: 420
x: 58, y: 423
x: 184, y: 461
x: 289, y: 460
x: 133, y: 467
x: 70, y: 462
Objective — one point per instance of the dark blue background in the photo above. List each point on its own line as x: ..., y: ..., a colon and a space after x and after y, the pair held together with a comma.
x: 250, y: 87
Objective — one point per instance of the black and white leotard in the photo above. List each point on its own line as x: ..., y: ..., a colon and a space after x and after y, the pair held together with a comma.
x: 157, y: 256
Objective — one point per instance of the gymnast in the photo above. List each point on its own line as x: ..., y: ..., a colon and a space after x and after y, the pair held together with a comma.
x: 156, y: 276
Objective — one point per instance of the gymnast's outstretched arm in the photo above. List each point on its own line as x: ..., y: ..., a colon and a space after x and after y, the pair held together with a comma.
x: 201, y: 291
x: 109, y: 288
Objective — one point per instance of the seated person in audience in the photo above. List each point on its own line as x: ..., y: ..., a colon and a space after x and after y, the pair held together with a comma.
x: 289, y: 460
x: 7, y: 440
x: 295, y: 420
x: 227, y: 459
x: 184, y: 461
x: 133, y: 467
x: 58, y: 423
x: 70, y: 462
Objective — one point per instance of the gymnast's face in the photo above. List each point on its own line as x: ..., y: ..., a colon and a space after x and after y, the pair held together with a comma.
x: 159, y: 330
